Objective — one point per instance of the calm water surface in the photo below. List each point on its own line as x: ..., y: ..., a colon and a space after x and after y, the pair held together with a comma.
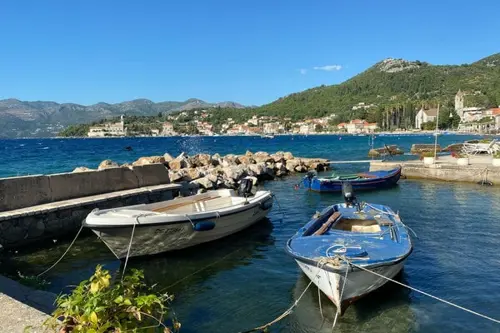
x: 247, y: 280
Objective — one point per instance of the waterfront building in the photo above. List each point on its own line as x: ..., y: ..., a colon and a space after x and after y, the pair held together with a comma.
x: 108, y: 129
x: 424, y: 116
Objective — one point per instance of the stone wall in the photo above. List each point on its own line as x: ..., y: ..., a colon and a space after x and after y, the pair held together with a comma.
x: 24, y: 230
x: 21, y: 192
x: 444, y: 172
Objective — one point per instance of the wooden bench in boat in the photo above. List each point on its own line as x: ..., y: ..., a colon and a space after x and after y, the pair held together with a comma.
x: 335, y: 216
x: 182, y: 204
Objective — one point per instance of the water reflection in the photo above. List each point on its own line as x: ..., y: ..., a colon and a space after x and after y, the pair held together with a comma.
x: 386, y: 309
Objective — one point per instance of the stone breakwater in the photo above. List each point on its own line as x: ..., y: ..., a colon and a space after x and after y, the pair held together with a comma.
x: 206, y: 172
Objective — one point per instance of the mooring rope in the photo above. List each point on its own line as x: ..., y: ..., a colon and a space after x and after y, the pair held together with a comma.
x: 289, y: 310
x: 340, y: 298
x: 426, y: 294
x: 130, y: 245
x: 279, y: 206
x: 65, y: 252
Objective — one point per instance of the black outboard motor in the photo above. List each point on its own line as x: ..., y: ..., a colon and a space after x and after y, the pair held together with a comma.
x: 349, y: 196
x: 245, y: 188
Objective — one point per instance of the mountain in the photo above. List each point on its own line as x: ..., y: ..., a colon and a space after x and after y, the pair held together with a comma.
x: 24, y: 119
x: 391, y: 84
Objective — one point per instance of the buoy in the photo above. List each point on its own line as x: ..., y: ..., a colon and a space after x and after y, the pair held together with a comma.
x: 203, y: 226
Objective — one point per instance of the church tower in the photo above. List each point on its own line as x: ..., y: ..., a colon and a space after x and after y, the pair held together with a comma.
x: 459, y: 103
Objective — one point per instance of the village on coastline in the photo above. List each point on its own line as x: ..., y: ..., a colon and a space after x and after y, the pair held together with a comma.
x: 474, y: 119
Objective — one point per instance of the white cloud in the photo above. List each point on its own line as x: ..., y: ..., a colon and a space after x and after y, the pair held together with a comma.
x: 303, y: 71
x: 328, y: 68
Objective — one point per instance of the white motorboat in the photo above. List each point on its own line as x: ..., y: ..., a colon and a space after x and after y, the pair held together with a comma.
x: 180, y: 223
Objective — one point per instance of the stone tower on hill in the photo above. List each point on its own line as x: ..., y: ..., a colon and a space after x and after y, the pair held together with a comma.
x: 459, y: 103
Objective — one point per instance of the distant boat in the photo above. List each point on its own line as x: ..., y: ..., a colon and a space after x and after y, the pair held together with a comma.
x: 340, y: 247
x: 360, y: 181
x: 267, y: 136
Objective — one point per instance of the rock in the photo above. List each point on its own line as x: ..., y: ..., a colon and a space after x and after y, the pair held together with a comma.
x: 126, y: 165
x: 178, y: 163
x: 257, y: 170
x: 204, y: 159
x: 216, y: 156
x: 205, y: 182
x: 291, y: 165
x: 278, y: 158
x: 182, y: 156
x: 270, y: 165
x: 176, y: 176
x: 149, y: 160
x: 167, y: 157
x: 300, y: 168
x: 231, y: 159
x: 249, y: 153
x: 106, y: 164
x: 246, y: 160
x: 82, y: 169
x: 288, y: 156
x: 234, y: 172
x: 262, y: 156
x: 280, y: 169
x: 228, y: 183
x: 192, y: 173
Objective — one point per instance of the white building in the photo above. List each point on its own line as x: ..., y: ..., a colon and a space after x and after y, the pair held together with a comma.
x: 424, y: 116
x: 168, y: 129
x: 108, y: 129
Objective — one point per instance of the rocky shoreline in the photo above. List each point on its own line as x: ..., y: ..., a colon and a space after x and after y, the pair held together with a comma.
x: 206, y: 172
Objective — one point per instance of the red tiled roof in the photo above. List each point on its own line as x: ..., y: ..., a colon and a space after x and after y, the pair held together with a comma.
x: 495, y: 111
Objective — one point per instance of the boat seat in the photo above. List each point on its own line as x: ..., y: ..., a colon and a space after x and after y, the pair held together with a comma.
x: 182, y: 204
x: 366, y: 175
x: 324, y: 228
x: 366, y: 228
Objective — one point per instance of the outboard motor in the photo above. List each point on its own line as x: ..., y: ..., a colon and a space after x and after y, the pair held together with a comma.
x: 245, y: 188
x: 349, y: 196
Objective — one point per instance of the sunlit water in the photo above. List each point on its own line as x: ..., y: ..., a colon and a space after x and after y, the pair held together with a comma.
x: 247, y: 280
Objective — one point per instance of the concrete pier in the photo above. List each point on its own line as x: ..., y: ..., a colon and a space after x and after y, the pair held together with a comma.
x: 23, y: 307
x: 445, y: 168
x: 38, y: 207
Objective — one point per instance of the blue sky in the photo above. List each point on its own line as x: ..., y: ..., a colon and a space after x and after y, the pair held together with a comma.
x: 252, y: 52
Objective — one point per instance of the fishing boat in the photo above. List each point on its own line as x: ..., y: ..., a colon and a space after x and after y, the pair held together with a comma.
x: 360, y: 181
x: 349, y: 249
x: 153, y: 228
x: 267, y: 136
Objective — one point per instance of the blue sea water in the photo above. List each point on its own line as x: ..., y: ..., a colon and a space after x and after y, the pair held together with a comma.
x: 247, y: 280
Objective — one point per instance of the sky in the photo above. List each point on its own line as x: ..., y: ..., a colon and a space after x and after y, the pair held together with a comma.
x: 251, y: 52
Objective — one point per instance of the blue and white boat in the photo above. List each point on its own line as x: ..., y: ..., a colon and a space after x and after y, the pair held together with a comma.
x: 349, y: 249
x: 361, y: 181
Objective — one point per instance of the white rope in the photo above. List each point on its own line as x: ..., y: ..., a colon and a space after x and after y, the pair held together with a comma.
x: 340, y: 299
x: 130, y: 246
x: 69, y: 247
x: 428, y: 295
x: 319, y: 302
x: 289, y: 310
x: 279, y: 206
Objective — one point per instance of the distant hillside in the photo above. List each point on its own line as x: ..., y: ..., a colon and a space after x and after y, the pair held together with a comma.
x: 20, y: 118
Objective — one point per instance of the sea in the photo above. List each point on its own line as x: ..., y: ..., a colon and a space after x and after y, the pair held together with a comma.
x: 247, y: 280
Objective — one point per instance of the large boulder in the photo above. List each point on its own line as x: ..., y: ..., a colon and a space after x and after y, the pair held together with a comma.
x: 262, y: 156
x: 249, y: 153
x: 246, y: 160
x: 106, y: 164
x: 231, y: 159
x: 281, y: 169
x: 145, y: 160
x: 292, y: 164
x: 193, y: 173
x: 205, y: 182
x: 176, y: 175
x: 234, y: 172
x: 278, y: 158
x: 257, y: 170
x: 168, y: 157
x: 288, y: 156
x: 204, y: 159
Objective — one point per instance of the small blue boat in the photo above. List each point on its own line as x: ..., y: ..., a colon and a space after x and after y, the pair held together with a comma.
x: 349, y: 249
x: 362, y: 181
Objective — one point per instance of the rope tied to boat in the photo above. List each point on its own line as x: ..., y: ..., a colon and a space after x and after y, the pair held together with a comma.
x: 391, y: 214
x: 282, y: 212
x: 65, y: 252
x: 424, y: 293
x: 289, y: 310
x: 130, y: 243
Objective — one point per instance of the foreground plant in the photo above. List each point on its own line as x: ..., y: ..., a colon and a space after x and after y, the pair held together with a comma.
x: 97, y: 305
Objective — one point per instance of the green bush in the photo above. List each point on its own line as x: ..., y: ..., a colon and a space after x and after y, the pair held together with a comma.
x: 97, y: 305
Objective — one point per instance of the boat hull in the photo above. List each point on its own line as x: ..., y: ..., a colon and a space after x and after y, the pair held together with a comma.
x: 358, y: 284
x: 154, y: 239
x: 332, y: 185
